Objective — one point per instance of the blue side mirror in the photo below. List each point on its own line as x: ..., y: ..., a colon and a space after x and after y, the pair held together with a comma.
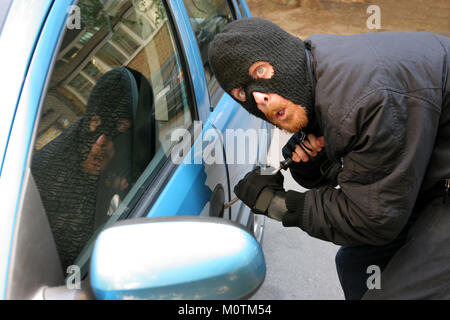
x: 176, y: 258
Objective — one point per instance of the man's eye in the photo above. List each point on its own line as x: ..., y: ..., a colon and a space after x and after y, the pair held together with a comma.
x: 239, y: 94
x: 260, y: 71
x: 95, y: 122
x: 123, y: 125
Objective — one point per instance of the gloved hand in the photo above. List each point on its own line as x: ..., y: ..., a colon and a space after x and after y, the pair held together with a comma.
x: 311, y: 169
x: 257, y: 191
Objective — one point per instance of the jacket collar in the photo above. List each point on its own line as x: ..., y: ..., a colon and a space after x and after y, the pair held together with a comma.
x: 313, y: 81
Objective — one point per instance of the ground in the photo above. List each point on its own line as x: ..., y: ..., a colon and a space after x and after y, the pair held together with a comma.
x: 350, y: 16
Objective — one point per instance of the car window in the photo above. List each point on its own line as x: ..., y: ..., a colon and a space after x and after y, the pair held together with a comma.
x: 116, y: 93
x: 208, y: 17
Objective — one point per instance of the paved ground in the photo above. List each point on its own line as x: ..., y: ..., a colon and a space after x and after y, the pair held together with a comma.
x: 298, y: 266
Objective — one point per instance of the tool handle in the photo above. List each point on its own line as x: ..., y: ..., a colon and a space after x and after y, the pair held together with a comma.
x: 285, y: 163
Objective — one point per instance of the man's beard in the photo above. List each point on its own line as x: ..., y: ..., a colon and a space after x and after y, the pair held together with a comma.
x: 295, y: 119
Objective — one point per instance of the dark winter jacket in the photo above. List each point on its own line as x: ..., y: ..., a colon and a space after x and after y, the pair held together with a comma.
x: 383, y: 105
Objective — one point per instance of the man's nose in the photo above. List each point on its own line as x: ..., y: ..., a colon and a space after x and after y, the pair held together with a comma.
x: 261, y: 99
x: 101, y: 140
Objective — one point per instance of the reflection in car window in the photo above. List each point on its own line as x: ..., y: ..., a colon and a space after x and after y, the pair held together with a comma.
x: 116, y: 93
x: 208, y: 17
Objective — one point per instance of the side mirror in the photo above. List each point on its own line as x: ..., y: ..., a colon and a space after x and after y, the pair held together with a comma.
x: 176, y: 258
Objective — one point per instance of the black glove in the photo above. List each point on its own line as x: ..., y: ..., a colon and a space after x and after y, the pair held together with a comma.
x: 257, y: 191
x: 289, y: 147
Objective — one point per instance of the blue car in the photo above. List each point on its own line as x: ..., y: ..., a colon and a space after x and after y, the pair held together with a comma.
x: 118, y: 152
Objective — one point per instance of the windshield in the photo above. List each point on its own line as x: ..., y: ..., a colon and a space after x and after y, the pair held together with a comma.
x: 4, y: 6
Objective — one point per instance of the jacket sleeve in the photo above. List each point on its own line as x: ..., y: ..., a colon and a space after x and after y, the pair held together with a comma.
x: 389, y: 138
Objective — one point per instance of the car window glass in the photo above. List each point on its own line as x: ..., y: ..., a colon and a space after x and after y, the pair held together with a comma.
x: 116, y: 93
x: 208, y: 17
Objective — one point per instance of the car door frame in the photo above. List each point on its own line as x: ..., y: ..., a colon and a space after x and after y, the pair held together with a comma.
x: 18, y: 154
x: 21, y: 35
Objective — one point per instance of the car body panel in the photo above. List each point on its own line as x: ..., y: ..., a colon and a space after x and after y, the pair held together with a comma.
x: 190, y: 188
x: 245, y: 8
x: 20, y: 136
x: 20, y: 31
x: 195, y: 66
x: 193, y: 182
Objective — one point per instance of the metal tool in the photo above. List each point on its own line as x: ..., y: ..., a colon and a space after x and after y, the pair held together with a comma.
x: 229, y: 204
x: 283, y: 166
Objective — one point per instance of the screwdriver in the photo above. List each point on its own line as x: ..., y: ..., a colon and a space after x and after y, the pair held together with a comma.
x: 284, y: 165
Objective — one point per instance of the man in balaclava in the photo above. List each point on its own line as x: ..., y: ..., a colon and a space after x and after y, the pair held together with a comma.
x: 79, y: 171
x: 369, y: 113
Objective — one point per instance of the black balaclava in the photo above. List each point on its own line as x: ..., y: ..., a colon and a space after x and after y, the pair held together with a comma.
x: 246, y: 41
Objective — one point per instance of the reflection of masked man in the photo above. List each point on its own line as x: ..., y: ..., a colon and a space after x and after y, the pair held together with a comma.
x: 81, y: 169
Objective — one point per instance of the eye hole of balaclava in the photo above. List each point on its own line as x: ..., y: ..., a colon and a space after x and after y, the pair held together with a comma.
x: 255, y: 85
x: 111, y: 129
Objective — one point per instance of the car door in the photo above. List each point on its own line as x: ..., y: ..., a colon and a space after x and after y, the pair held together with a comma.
x: 246, y: 138
x: 112, y: 84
